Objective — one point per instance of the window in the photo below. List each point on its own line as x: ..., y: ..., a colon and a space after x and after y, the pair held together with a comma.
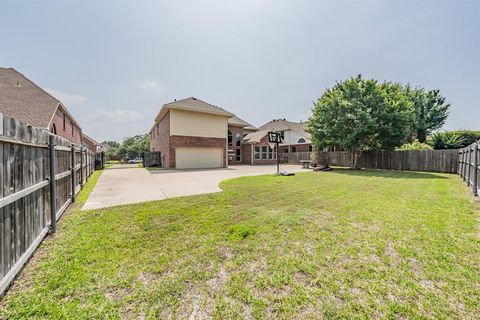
x: 310, y: 148
x: 54, y: 129
x: 285, y: 150
x: 64, y: 121
x: 301, y: 140
x: 238, y: 155
x: 294, y: 149
x: 272, y: 153
x: 238, y: 139
x: 71, y: 123
x: 257, y: 153
x: 264, y: 152
x: 230, y: 143
x: 282, y: 135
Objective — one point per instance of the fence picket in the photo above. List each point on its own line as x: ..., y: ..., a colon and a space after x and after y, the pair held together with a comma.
x: 26, y: 210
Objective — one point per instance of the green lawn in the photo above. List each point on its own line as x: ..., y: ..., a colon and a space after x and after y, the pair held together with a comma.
x: 340, y: 244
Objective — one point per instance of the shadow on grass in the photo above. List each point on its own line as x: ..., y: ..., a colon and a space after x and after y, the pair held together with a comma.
x: 390, y: 174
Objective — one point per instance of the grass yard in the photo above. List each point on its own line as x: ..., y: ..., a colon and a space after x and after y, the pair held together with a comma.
x: 341, y: 244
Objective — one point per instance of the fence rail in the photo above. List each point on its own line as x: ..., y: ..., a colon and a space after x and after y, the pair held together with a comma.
x: 469, y: 166
x: 411, y: 160
x: 295, y: 157
x: 40, y: 174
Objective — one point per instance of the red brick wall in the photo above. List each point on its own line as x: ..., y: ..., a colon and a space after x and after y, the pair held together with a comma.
x: 65, y: 131
x: 247, y: 154
x: 186, y: 141
x: 160, y: 139
x: 91, y: 145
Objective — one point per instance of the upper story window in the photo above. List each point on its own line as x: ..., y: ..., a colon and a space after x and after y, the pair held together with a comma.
x: 64, y: 121
x: 282, y: 134
x: 238, y: 139
x: 230, y: 138
x: 71, y: 123
x: 301, y: 140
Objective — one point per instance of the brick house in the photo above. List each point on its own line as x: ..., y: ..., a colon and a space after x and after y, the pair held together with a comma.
x: 295, y: 139
x: 89, y: 143
x: 22, y: 99
x: 191, y: 133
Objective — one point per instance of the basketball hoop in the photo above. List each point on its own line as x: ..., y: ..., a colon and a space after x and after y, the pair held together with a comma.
x: 274, y: 137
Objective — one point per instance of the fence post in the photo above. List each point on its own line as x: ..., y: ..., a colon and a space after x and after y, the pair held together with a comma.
x: 81, y: 167
x: 53, y: 191
x: 475, y: 171
x: 73, y: 172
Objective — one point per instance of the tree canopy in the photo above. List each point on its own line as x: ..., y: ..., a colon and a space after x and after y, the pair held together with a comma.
x: 431, y: 111
x: 359, y: 114
x: 130, y: 148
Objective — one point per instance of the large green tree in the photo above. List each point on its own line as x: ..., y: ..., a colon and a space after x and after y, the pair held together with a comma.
x: 133, y: 147
x: 431, y: 111
x: 359, y: 114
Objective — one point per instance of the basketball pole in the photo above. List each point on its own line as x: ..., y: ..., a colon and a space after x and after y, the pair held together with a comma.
x: 278, y: 160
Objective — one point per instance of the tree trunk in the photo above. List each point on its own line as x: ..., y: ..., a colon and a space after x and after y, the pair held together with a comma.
x: 355, y: 154
x: 421, y: 136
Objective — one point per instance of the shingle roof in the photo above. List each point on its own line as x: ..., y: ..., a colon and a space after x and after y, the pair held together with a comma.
x: 255, y: 137
x: 283, y: 125
x: 22, y: 99
x: 236, y: 121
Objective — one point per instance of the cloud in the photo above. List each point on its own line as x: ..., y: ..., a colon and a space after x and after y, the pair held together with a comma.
x: 66, y: 98
x: 149, y: 85
x: 117, y: 116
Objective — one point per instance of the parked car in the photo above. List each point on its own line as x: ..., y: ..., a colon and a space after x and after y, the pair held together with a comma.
x: 136, y: 160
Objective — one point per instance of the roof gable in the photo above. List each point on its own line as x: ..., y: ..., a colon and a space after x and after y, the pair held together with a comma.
x: 284, y: 125
x: 22, y: 99
x: 192, y: 104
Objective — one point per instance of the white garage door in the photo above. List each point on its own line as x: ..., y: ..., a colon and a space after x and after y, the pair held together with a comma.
x: 195, y: 158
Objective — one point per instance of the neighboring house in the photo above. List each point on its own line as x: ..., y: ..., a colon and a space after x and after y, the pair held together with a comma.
x: 22, y: 99
x: 191, y: 133
x: 89, y: 143
x: 294, y: 136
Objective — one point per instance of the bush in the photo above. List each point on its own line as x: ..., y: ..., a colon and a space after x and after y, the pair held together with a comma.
x: 415, y: 145
x: 454, y: 139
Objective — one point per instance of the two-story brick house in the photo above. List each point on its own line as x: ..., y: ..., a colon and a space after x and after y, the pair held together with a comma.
x: 191, y: 133
x: 22, y: 99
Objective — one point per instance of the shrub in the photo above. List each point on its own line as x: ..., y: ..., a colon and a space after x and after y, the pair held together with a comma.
x: 454, y: 139
x: 415, y: 145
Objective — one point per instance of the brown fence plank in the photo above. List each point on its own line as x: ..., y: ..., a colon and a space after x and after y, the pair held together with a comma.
x: 414, y: 160
x: 25, y: 215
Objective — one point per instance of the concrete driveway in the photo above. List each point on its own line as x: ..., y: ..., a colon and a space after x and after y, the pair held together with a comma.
x: 125, y: 184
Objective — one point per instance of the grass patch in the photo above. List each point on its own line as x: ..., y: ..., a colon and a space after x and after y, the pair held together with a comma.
x: 82, y: 196
x: 340, y: 244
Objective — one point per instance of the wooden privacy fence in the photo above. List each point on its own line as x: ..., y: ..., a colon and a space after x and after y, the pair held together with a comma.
x: 40, y: 174
x: 411, y: 160
x: 295, y: 157
x: 469, y: 166
x: 152, y: 159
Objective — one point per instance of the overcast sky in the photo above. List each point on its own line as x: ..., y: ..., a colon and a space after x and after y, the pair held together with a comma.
x: 114, y: 63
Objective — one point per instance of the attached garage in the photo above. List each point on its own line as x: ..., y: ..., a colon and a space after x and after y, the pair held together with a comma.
x: 194, y: 158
